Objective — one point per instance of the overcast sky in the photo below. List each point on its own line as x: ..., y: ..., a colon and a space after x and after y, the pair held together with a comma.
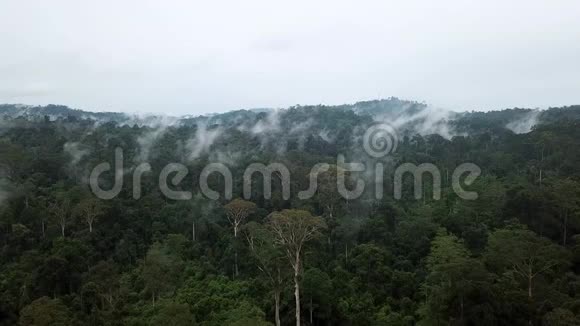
x: 191, y: 57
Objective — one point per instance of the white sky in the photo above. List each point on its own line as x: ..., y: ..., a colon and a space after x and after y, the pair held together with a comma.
x: 191, y: 57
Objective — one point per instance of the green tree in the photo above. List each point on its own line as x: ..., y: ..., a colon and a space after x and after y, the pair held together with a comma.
x: 560, y: 317
x: 269, y: 260
x: 292, y: 230
x: 237, y: 211
x: 567, y: 199
x: 60, y: 212
x: 89, y: 210
x: 46, y: 312
x: 217, y: 300
x: 160, y: 270
x: 105, y: 275
x: 172, y: 313
x: 318, y: 292
x: 526, y: 256
x: 453, y: 274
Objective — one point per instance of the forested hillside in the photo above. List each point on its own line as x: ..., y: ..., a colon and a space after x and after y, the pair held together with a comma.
x: 510, y: 257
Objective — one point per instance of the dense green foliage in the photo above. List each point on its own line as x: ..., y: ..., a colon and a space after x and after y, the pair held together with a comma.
x: 511, y: 257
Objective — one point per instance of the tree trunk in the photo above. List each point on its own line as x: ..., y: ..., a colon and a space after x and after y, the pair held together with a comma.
x: 530, y: 278
x: 193, y: 230
x: 565, y: 236
x: 462, y: 310
x: 297, y: 288
x: 235, y: 250
x: 43, y: 231
x: 277, y: 309
x: 311, y: 309
x: 236, y: 271
x: 110, y: 299
x: 90, y: 227
x: 62, y: 226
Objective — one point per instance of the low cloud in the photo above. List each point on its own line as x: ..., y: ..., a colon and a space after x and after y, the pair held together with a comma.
x: 228, y: 158
x: 427, y: 120
x: 525, y: 124
x: 202, y: 141
x: 268, y: 125
x: 157, y: 125
x: 76, y: 151
x: 146, y: 142
x: 326, y: 136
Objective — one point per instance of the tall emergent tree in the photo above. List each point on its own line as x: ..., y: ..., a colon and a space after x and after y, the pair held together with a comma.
x: 60, y: 213
x: 527, y: 256
x: 269, y: 260
x: 90, y: 210
x: 292, y: 229
x: 237, y: 211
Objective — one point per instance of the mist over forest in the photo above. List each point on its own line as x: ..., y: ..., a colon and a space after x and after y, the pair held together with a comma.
x: 509, y: 257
